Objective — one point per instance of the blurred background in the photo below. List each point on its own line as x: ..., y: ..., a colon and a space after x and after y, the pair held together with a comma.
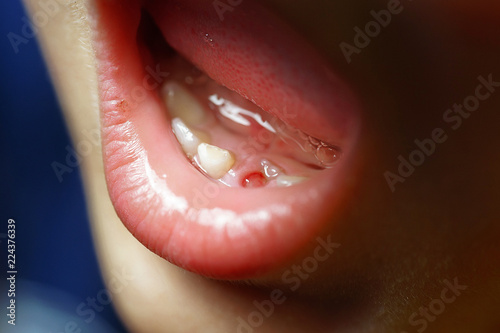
x: 58, y: 279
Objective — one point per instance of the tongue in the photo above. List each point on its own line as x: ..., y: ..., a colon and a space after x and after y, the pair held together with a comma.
x: 258, y: 56
x: 231, y: 140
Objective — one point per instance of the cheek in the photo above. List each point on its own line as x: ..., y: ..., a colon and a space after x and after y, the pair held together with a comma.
x: 66, y: 44
x: 475, y: 22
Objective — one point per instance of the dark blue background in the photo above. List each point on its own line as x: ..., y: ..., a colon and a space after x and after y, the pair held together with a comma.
x: 53, y: 243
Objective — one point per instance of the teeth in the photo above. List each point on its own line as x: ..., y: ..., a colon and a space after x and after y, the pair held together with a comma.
x: 285, y: 181
x: 214, y: 160
x: 270, y: 170
x: 189, y: 139
x: 182, y: 104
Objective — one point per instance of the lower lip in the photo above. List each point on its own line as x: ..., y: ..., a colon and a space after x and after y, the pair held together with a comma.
x: 174, y: 210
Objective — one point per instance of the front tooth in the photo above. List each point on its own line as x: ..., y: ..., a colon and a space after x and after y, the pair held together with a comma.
x: 285, y: 181
x: 182, y: 104
x: 215, y: 160
x: 187, y: 138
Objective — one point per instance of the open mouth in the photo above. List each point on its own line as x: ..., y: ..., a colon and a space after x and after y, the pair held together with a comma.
x: 228, y: 141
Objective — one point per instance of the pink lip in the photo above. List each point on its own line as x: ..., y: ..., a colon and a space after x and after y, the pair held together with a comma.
x: 169, y: 206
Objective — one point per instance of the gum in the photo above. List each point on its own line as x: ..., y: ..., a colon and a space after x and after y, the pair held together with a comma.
x: 264, y: 147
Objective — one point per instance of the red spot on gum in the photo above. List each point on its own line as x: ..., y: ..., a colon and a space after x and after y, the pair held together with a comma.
x: 254, y: 179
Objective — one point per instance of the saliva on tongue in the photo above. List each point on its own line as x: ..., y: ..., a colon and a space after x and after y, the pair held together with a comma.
x: 233, y: 141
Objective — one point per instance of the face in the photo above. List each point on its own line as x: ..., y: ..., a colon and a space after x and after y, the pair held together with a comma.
x: 313, y: 166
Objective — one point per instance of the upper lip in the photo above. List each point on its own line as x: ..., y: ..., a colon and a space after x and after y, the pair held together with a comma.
x: 237, y: 233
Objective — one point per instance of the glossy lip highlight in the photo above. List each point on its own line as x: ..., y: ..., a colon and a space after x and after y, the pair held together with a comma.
x: 234, y: 233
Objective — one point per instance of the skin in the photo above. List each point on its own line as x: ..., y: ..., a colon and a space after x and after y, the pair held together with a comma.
x: 396, y: 247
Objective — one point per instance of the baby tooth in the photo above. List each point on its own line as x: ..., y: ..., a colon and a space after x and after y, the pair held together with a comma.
x: 186, y: 137
x: 214, y: 160
x: 285, y: 181
x: 182, y: 104
x: 270, y: 170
